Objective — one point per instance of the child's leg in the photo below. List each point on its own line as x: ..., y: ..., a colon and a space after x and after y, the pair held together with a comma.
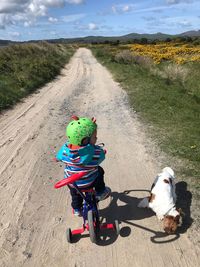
x: 99, y: 184
x: 102, y: 191
x: 77, y: 200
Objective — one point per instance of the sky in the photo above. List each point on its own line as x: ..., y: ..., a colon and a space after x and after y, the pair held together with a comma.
x: 22, y: 20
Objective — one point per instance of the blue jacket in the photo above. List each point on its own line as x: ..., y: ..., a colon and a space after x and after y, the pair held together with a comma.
x: 86, y: 158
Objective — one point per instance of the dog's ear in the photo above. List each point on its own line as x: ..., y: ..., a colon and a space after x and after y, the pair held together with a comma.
x: 152, y: 197
x: 176, y: 219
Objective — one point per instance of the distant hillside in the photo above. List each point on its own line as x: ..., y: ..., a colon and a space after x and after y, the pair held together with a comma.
x: 124, y: 38
x: 158, y: 36
x: 5, y: 42
x: 127, y: 37
x: 191, y: 33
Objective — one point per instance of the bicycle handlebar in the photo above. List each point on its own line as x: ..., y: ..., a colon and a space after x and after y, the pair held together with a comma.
x: 69, y: 180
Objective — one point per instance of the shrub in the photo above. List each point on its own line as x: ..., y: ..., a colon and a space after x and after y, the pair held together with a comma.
x: 125, y: 57
x: 145, y: 62
x: 174, y: 72
x: 25, y: 67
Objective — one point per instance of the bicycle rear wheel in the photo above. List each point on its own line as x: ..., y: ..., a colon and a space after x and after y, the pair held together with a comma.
x: 93, y: 225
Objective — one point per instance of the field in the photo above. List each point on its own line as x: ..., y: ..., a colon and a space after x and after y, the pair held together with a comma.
x: 25, y: 67
x: 163, y: 84
x: 174, y: 52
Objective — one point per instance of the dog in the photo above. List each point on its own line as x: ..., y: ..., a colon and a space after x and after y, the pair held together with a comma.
x: 162, y: 201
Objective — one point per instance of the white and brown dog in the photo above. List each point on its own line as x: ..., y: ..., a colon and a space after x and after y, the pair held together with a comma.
x: 162, y: 200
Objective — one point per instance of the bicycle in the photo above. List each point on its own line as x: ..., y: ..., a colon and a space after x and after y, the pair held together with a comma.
x: 90, y: 212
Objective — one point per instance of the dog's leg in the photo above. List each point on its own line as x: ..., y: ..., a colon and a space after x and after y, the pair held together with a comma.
x: 144, y: 203
x: 160, y: 217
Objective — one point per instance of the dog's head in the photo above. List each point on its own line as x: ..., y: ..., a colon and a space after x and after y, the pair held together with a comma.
x: 171, y: 223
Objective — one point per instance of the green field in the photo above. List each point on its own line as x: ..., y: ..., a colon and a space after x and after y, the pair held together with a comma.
x: 168, y: 103
x: 25, y: 67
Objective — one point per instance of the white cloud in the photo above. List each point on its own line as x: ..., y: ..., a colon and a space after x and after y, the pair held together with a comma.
x: 120, y: 8
x: 53, y: 3
x: 37, y: 10
x: 73, y: 17
x: 126, y: 8
x: 85, y: 27
x: 75, y: 2
x: 92, y: 26
x: 186, y: 23
x: 12, y: 11
x: 53, y: 32
x: 172, y: 22
x: 9, y: 6
x: 4, y: 20
x: 28, y: 23
x: 173, y: 2
x: 14, y: 34
x: 179, y: 21
x: 114, y: 9
x: 53, y: 20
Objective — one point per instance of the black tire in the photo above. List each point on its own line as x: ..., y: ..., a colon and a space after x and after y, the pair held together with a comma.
x: 92, y: 229
x: 69, y: 235
x: 117, y: 229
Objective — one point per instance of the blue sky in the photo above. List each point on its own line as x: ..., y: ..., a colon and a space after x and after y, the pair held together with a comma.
x: 48, y: 19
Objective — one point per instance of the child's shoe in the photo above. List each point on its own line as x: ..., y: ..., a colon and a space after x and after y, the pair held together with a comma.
x: 103, y: 195
x: 77, y: 212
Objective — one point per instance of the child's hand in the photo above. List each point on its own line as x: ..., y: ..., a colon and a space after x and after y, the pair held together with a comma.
x: 101, y: 144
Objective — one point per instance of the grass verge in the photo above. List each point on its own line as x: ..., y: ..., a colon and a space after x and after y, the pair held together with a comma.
x: 172, y: 107
x: 25, y: 67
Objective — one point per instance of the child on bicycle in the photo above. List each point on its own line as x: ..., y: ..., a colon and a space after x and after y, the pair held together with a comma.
x: 81, y: 154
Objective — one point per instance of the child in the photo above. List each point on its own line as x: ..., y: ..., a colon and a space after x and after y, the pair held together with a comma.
x: 81, y: 154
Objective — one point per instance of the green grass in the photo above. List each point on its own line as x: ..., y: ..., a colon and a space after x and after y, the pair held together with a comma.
x: 25, y: 67
x: 173, y: 109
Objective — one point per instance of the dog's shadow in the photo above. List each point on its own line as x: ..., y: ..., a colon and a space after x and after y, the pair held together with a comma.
x: 184, y: 200
x: 128, y: 212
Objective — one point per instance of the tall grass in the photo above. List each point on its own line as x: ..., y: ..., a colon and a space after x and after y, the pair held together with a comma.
x: 25, y: 67
x: 172, y: 108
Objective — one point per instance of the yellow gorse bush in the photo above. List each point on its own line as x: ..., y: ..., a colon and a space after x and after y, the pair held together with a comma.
x: 175, y: 52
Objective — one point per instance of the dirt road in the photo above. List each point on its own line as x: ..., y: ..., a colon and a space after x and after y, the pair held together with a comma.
x: 34, y: 216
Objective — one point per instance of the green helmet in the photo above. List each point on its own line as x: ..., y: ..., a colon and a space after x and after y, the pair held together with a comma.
x: 80, y: 128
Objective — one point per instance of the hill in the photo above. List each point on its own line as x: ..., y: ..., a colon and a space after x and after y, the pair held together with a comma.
x: 124, y: 38
x: 191, y: 33
x: 127, y: 37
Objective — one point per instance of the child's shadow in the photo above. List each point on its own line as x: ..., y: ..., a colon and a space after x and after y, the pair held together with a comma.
x: 184, y: 200
x: 128, y: 212
x: 125, y: 212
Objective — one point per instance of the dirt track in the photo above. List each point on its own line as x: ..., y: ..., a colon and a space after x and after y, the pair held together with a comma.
x: 34, y: 216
